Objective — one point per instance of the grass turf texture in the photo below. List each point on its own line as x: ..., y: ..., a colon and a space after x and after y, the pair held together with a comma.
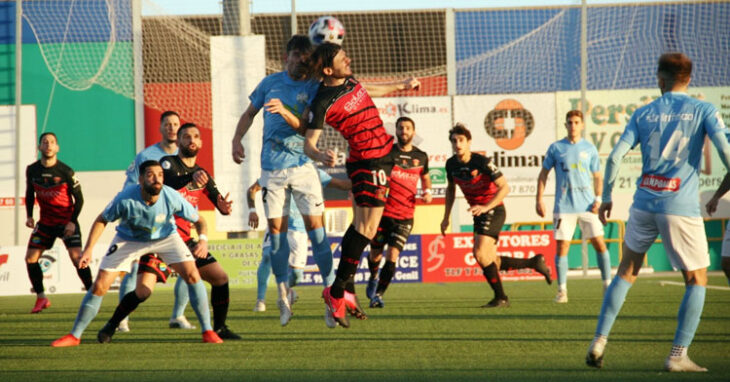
x: 426, y: 332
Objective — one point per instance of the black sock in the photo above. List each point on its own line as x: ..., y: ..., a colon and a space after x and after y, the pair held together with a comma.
x: 492, y: 275
x: 129, y: 303
x: 85, y: 276
x: 36, y: 276
x: 385, y: 276
x: 350, y: 284
x: 219, y: 298
x: 353, y: 243
x: 373, y: 266
x: 512, y: 263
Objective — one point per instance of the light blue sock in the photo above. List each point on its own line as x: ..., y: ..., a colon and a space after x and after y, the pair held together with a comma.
x: 612, y: 302
x: 604, y: 263
x: 280, y: 257
x: 87, y: 311
x: 689, y: 314
x: 199, y: 302
x: 295, y: 274
x: 322, y: 255
x: 263, y: 273
x: 181, y: 298
x: 561, y: 264
x: 129, y: 282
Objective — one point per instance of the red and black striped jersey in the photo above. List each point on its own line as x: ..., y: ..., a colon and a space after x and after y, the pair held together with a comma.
x: 475, y: 178
x: 57, y: 190
x: 180, y: 177
x: 349, y: 109
x: 408, y: 168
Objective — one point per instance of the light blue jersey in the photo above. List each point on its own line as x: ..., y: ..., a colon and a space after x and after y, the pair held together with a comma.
x: 141, y: 222
x: 153, y: 152
x: 574, y: 167
x: 671, y: 131
x: 283, y: 147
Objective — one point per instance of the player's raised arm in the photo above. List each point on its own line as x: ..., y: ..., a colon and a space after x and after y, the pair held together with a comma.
x: 381, y: 89
x: 244, y: 123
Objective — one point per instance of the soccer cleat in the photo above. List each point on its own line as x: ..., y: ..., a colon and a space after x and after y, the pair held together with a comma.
x: 594, y: 357
x: 292, y: 296
x: 371, y: 289
x: 329, y: 320
x: 284, y: 311
x: 123, y: 325
x: 181, y: 323
x: 561, y: 297
x: 542, y: 268
x: 66, y: 341
x: 105, y: 334
x: 353, y: 306
x: 497, y: 303
x: 210, y: 337
x: 682, y: 364
x: 337, y: 307
x: 260, y: 306
x: 226, y: 334
x: 377, y: 301
x: 40, y: 304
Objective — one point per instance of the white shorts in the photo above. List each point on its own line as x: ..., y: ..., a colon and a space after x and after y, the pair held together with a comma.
x: 122, y: 253
x: 301, y: 183
x: 726, y: 242
x: 683, y: 237
x: 298, y: 251
x: 564, y: 225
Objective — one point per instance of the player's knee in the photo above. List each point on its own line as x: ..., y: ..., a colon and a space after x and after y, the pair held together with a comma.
x: 142, y: 292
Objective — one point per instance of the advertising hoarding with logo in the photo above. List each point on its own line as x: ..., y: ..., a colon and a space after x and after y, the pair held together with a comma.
x: 515, y: 131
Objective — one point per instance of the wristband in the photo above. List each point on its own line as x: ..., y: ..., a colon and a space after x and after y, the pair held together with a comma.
x: 598, y: 200
x: 202, y: 237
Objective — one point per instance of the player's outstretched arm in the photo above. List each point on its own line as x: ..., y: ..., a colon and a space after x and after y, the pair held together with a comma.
x: 97, y: 228
x: 244, y: 123
x: 541, y: 181
x: 381, y: 89
x: 340, y: 184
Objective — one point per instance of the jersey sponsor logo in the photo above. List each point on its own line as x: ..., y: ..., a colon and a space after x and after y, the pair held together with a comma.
x: 354, y: 103
x: 660, y: 183
x: 509, y: 123
x: 665, y: 118
x: 405, y: 175
x: 48, y: 193
x: 302, y: 97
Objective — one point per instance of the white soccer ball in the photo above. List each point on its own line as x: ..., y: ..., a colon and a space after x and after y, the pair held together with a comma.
x: 326, y: 29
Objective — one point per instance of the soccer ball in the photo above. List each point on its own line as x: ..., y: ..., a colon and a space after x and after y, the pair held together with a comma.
x: 326, y: 29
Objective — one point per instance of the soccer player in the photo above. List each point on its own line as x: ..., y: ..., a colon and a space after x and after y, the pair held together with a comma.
x: 286, y: 172
x: 146, y: 212
x: 343, y: 103
x: 178, y: 171
x: 671, y: 131
x: 410, y: 166
x: 59, y: 196
x: 484, y: 187
x: 577, y: 198
x: 711, y: 207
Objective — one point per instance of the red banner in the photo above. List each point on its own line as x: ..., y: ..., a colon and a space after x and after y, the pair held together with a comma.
x: 450, y: 258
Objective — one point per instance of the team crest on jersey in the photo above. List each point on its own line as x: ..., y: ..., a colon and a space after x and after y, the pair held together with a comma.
x: 416, y: 162
x: 56, y: 179
x: 475, y: 173
x: 302, y: 97
x: 166, y: 164
x: 583, y: 155
x: 160, y: 218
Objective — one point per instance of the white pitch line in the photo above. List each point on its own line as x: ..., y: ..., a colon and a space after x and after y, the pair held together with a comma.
x: 677, y: 283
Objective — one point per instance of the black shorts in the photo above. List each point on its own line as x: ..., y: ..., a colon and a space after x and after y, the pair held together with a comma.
x: 150, y: 263
x: 209, y: 259
x: 393, y: 232
x: 370, y: 179
x: 490, y: 223
x: 44, y: 236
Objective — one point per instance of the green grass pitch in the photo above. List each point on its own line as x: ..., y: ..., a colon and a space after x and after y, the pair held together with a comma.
x: 426, y: 332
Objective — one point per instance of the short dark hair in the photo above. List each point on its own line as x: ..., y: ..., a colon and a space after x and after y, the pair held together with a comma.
x: 47, y: 133
x: 185, y: 126
x: 674, y: 66
x: 574, y: 113
x: 405, y: 119
x: 460, y: 129
x: 299, y: 42
x: 167, y: 114
x: 323, y: 56
x: 147, y: 164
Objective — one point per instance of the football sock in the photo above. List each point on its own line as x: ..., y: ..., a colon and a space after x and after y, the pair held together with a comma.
x: 678, y: 351
x: 353, y: 243
x: 280, y: 257
x: 612, y: 302
x: 604, y: 263
x: 263, y: 273
x: 295, y: 275
x: 689, y: 314
x: 385, y: 276
x: 561, y: 265
x: 85, y: 276
x: 199, y: 302
x: 35, y: 274
x: 88, y: 310
x: 129, y: 282
x: 129, y: 303
x: 508, y: 263
x: 322, y: 254
x: 181, y: 297
x: 219, y: 299
x: 492, y: 275
x: 350, y: 284
x: 373, y: 266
